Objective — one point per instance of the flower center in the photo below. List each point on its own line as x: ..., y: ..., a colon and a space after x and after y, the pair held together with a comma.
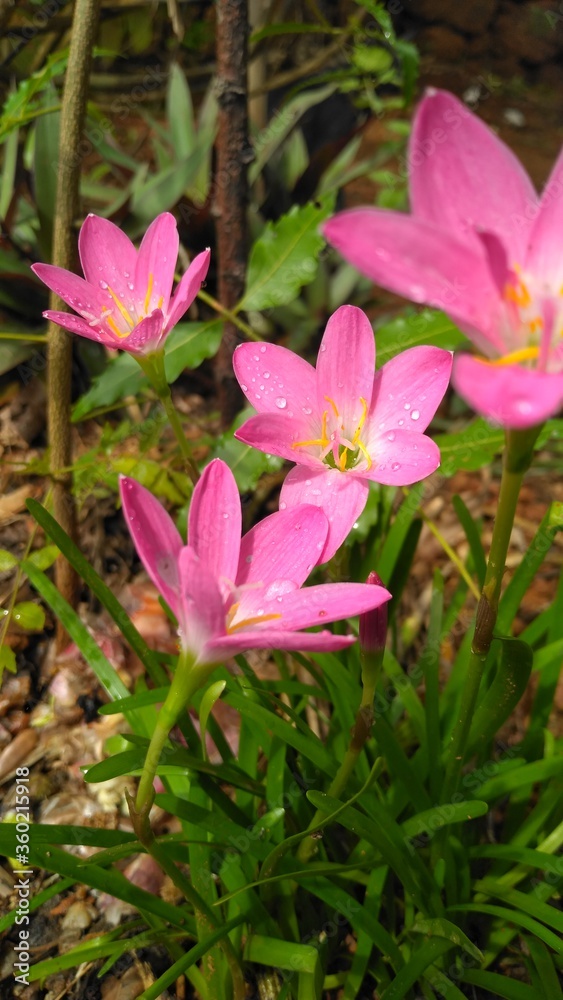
x: 130, y: 321
x: 339, y: 451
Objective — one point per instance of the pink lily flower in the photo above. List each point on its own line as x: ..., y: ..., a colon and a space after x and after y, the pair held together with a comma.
x: 124, y: 301
x: 483, y: 247
x: 231, y: 594
x: 343, y: 423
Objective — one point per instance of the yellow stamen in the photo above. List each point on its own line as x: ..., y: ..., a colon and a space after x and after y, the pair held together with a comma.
x: 356, y: 437
x: 365, y: 453
x: 250, y: 621
x: 322, y: 441
x: 149, y: 292
x: 342, y: 460
x: 333, y: 404
x: 518, y: 294
x: 111, y: 322
x: 160, y: 301
x: 524, y: 354
x: 130, y: 322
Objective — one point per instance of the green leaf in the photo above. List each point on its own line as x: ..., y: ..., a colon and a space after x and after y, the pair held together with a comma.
x: 445, y: 815
x: 187, y: 346
x: 277, y: 130
x: 163, y: 190
x: 7, y: 561
x: 419, y: 961
x: 470, y: 448
x: 180, y: 113
x: 551, y: 523
x: 211, y: 695
x: 440, y: 927
x: 473, y: 535
x: 30, y: 616
x: 45, y: 557
x: 500, y: 985
x: 508, y: 686
x: 7, y: 661
x: 246, y: 463
x: 547, y: 974
x: 413, y: 329
x: 284, y: 258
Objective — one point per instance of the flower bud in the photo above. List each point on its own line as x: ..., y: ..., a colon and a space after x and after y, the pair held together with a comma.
x: 373, y: 624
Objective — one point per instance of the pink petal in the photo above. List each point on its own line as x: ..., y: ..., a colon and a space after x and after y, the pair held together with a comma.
x: 275, y: 380
x: 214, y: 521
x: 328, y: 602
x: 188, y: 288
x: 402, y: 457
x: 346, y: 364
x: 275, y: 433
x: 320, y: 642
x: 155, y: 537
x: 284, y: 546
x: 107, y: 255
x: 408, y: 390
x: 156, y: 263
x: 508, y: 395
x: 341, y: 495
x: 462, y: 176
x: 415, y: 259
x: 202, y: 615
x: 78, y: 325
x: 86, y: 299
x: 544, y: 252
x: 147, y: 335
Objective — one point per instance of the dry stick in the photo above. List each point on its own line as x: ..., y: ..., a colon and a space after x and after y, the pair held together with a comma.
x: 234, y: 153
x: 59, y: 350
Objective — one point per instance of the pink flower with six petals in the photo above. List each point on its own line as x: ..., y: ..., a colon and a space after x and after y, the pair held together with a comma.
x: 231, y: 594
x: 124, y: 301
x: 344, y: 423
x: 483, y: 247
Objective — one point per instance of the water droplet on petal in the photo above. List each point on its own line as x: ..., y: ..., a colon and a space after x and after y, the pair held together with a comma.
x: 283, y: 505
x: 249, y: 559
x: 407, y: 406
x: 257, y: 395
x: 415, y: 415
x: 130, y: 286
x: 307, y: 410
x: 244, y: 387
x: 396, y: 466
x: 322, y: 614
x: 262, y: 349
x: 255, y: 357
x: 400, y: 422
x: 281, y: 402
x: 307, y: 482
x: 225, y: 514
x: 103, y: 284
x: 391, y: 436
x: 323, y: 348
x: 266, y: 374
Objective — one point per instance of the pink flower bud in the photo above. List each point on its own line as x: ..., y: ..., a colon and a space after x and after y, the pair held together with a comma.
x: 373, y: 624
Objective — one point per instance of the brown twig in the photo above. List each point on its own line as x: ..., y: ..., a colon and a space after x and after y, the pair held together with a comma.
x: 234, y: 153
x: 59, y: 351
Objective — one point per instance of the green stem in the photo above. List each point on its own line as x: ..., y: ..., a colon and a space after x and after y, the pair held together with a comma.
x: 371, y: 665
x: 187, y: 679
x: 517, y: 459
x: 176, y: 425
x: 228, y: 314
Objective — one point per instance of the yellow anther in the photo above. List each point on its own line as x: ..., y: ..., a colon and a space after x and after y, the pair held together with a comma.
x: 342, y: 460
x: 250, y: 621
x: 536, y: 324
x: 322, y: 441
x: 130, y: 322
x: 333, y: 404
x: 518, y: 294
x: 149, y: 292
x: 231, y: 613
x: 160, y: 301
x: 111, y: 322
x: 524, y: 354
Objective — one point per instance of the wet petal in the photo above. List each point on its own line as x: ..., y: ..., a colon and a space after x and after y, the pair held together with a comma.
x: 202, y: 615
x: 408, y: 390
x: 87, y: 300
x: 320, y: 642
x: 156, y: 263
x: 188, y: 288
x: 346, y: 365
x: 155, y: 536
x: 508, y: 395
x: 215, y: 522
x: 108, y: 255
x: 544, y: 254
x: 285, y: 545
x: 403, y: 457
x: 328, y: 602
x: 276, y: 434
x: 275, y: 380
x: 341, y: 495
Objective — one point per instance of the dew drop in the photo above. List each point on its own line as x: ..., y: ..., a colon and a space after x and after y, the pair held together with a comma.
x: 244, y: 387
x: 396, y: 466
x: 307, y: 410
x: 400, y: 422
x: 266, y: 374
x: 262, y: 349
x: 130, y: 286
x: 307, y: 482
x: 281, y: 402
x: 249, y: 559
x: 391, y: 436
x: 323, y: 348
x: 407, y: 406
x: 322, y: 614
x: 225, y: 515
x: 415, y: 415
x: 257, y: 395
x: 283, y: 505
x: 103, y: 284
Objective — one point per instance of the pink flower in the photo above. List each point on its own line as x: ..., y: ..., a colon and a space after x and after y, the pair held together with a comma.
x: 125, y: 299
x: 231, y: 594
x: 483, y: 247
x: 344, y: 423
